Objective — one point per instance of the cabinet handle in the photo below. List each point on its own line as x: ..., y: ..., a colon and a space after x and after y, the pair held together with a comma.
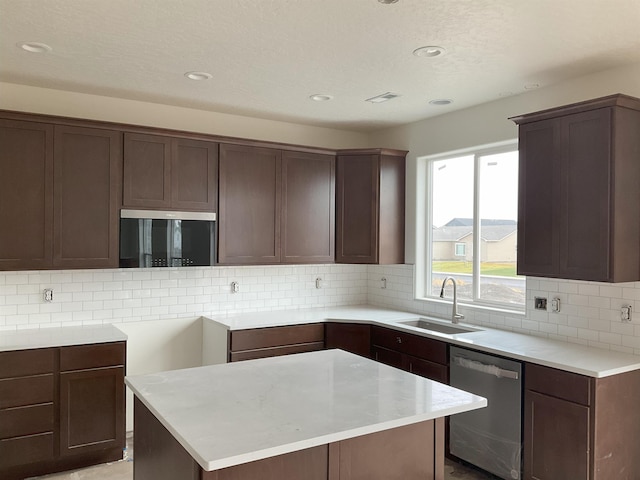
x: 399, y: 339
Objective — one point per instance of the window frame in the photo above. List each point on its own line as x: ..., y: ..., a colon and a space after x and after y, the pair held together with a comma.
x: 424, y: 232
x: 455, y: 249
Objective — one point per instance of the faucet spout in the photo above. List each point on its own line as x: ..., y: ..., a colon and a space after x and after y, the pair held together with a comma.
x: 455, y: 316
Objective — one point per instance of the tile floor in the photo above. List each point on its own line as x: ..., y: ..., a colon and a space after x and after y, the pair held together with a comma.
x: 123, y: 470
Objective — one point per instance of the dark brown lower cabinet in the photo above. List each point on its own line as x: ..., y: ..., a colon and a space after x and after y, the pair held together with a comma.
x: 580, y: 427
x: 61, y: 408
x: 423, y: 356
x: 350, y: 337
x: 274, y: 341
x: 409, y: 452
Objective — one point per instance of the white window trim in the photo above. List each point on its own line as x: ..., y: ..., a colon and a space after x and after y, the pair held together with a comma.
x: 422, y: 270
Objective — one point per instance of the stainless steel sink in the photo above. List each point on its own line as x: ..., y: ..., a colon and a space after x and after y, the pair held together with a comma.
x: 434, y: 326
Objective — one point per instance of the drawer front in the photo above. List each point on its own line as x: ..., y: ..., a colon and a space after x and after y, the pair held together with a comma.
x: 557, y: 383
x: 421, y: 347
x: 23, y: 450
x: 276, y: 336
x: 427, y: 369
x: 276, y: 351
x: 21, y: 421
x: 18, y: 392
x: 92, y: 356
x: 22, y: 363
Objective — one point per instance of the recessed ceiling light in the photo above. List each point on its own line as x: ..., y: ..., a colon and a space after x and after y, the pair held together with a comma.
x: 382, y: 98
x: 388, y: 2
x: 531, y: 86
x: 35, y: 47
x: 429, y: 51
x: 198, y: 75
x: 441, y: 101
x: 320, y: 97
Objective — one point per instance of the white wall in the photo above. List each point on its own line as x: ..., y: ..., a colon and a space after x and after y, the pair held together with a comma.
x: 488, y: 123
x: 78, y: 105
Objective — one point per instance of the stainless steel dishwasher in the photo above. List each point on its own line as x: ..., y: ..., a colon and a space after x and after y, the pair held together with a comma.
x: 490, y: 437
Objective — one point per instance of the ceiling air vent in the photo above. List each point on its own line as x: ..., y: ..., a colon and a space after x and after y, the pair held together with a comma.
x: 382, y: 98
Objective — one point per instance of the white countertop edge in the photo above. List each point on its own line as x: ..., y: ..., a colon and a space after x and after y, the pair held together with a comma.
x: 66, y: 336
x: 302, y: 444
x: 613, y: 363
x: 335, y: 437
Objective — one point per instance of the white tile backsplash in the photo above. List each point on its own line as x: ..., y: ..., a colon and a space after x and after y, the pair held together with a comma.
x: 114, y: 296
x: 589, y: 315
x: 590, y: 311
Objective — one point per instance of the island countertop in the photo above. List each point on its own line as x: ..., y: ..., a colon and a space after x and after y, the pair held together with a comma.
x: 230, y: 414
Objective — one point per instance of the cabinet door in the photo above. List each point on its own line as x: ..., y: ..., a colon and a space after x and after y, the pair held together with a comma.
x: 308, y: 208
x: 26, y: 195
x: 556, y: 438
x: 357, y: 204
x: 91, y: 410
x: 586, y: 172
x: 539, y: 198
x: 388, y: 357
x: 249, y: 205
x: 87, y: 173
x: 351, y: 337
x: 194, y: 175
x: 147, y: 171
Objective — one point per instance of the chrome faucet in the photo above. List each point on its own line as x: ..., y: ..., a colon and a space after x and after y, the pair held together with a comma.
x: 455, y: 316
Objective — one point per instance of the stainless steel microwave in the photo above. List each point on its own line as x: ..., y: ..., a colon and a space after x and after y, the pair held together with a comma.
x: 152, y: 238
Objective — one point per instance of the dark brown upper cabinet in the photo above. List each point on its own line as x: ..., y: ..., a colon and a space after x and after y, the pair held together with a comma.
x: 59, y: 193
x: 308, y: 208
x: 87, y: 188
x: 370, y: 206
x: 169, y: 173
x: 26, y: 195
x: 275, y: 206
x: 579, y: 191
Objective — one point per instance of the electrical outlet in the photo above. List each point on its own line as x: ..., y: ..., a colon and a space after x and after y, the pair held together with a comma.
x: 235, y: 287
x: 625, y: 313
x: 48, y: 295
x: 383, y: 283
x: 319, y: 282
x: 555, y: 305
x: 540, y: 303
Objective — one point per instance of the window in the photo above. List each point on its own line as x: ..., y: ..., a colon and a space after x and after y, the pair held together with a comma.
x: 471, y: 226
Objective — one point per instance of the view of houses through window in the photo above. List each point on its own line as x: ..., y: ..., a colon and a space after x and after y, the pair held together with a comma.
x: 473, y: 217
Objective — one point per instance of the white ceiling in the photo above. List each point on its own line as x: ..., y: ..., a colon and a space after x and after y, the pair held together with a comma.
x: 268, y: 56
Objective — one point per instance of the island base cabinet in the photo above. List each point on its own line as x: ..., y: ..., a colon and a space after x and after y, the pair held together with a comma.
x: 407, y: 452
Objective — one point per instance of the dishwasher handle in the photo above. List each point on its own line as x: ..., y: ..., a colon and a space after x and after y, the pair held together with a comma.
x: 488, y: 369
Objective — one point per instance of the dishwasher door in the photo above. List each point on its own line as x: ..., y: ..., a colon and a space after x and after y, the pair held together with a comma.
x: 490, y: 437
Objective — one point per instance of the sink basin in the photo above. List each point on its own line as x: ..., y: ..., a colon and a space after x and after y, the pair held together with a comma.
x: 439, y: 327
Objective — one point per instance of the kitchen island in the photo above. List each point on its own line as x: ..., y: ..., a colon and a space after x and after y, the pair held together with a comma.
x: 319, y: 415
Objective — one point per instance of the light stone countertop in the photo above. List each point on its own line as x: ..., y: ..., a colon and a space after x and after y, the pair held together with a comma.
x: 590, y: 361
x: 59, y: 337
x: 235, y: 413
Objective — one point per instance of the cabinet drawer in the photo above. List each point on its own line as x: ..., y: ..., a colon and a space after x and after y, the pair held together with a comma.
x: 276, y: 351
x: 17, y: 392
x: 92, y: 356
x: 21, y: 421
x: 22, y: 363
x: 23, y: 450
x: 421, y: 347
x: 427, y: 369
x: 557, y: 383
x: 276, y: 336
